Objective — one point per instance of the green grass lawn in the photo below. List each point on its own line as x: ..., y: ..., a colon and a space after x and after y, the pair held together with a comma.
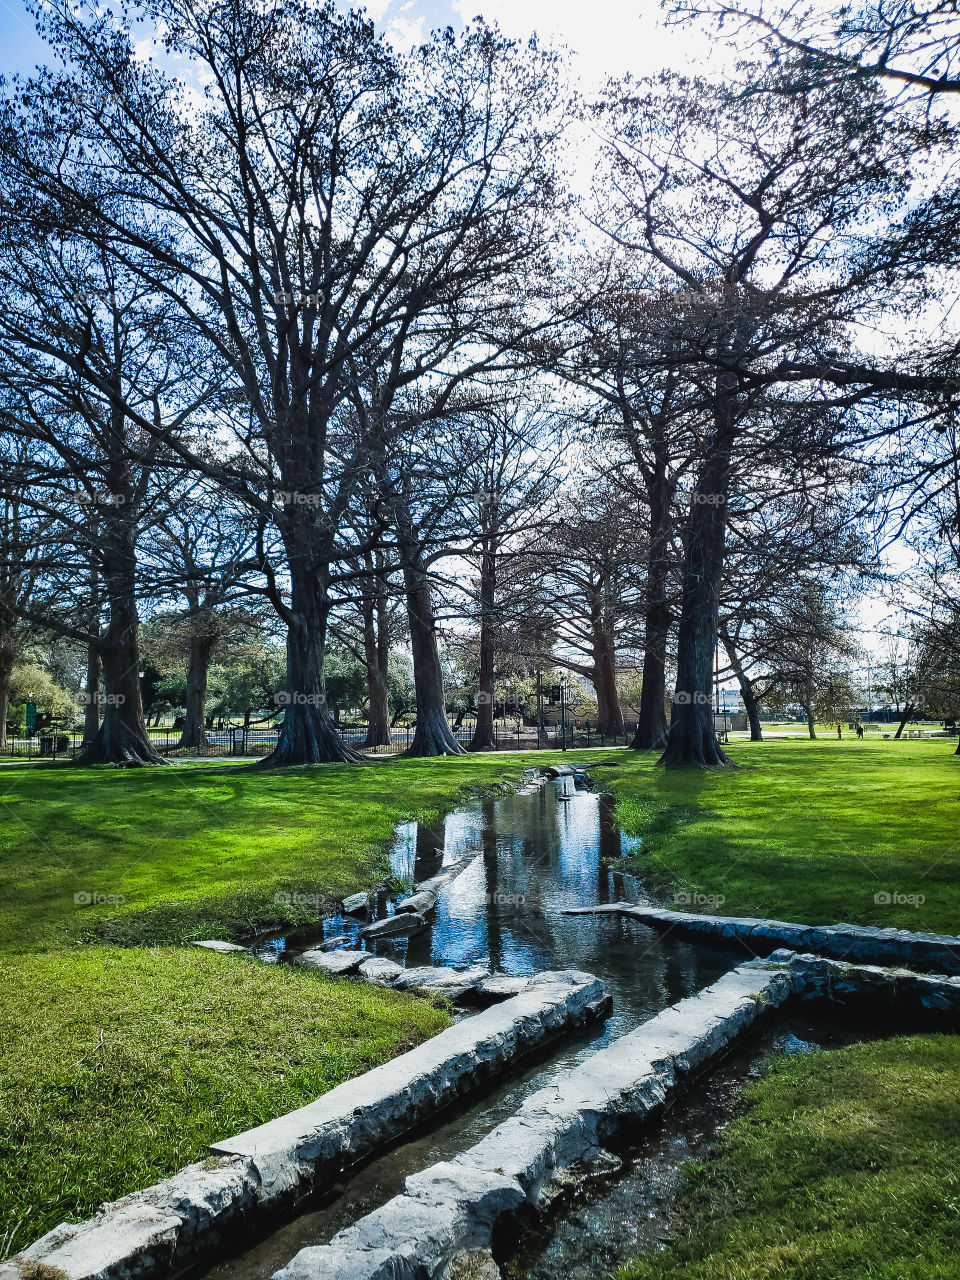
x: 808, y: 831
x: 197, y: 1046
x: 194, y: 1046
x: 118, y: 1065
x: 846, y: 1167
x: 195, y: 850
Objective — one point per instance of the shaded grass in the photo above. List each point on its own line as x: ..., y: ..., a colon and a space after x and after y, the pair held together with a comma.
x: 807, y: 831
x: 119, y: 1065
x: 847, y: 1165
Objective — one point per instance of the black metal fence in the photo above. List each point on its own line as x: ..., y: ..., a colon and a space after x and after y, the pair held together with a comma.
x: 235, y: 740
x: 506, y: 738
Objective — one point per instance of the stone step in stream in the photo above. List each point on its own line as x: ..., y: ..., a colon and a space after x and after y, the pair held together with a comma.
x: 443, y: 1223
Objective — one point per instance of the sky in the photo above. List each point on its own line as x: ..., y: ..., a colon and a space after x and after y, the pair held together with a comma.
x: 605, y: 37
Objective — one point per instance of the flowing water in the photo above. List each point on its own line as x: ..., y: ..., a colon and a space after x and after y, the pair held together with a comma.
x: 545, y: 848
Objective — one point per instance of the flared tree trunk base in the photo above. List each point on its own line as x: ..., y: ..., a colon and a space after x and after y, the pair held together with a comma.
x: 308, y: 737
x: 378, y: 735
x: 651, y: 737
x: 694, y: 749
x: 432, y: 737
x: 484, y: 738
x: 120, y: 745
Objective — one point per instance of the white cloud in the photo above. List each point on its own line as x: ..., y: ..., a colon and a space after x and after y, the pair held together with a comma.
x: 376, y: 9
x: 406, y: 27
x: 607, y: 38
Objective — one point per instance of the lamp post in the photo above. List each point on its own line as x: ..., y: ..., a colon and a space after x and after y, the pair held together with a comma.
x: 563, y: 713
x: 540, y: 726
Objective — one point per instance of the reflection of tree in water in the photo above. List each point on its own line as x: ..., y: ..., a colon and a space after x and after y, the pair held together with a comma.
x: 608, y: 841
x: 488, y: 843
x: 430, y: 844
x: 528, y: 858
x: 420, y: 948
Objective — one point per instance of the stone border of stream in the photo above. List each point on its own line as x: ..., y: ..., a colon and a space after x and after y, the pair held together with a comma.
x: 443, y: 1225
x: 253, y: 1177
x: 938, y: 953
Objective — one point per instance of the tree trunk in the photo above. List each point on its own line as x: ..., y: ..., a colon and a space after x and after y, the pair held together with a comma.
x: 752, y: 709
x: 693, y: 737
x: 307, y: 735
x: 909, y: 710
x: 122, y: 737
x: 91, y: 702
x: 432, y: 736
x: 652, y: 727
x: 194, y: 724
x: 484, y: 738
x: 808, y: 708
x: 6, y: 676
x: 376, y: 650
x: 751, y: 706
x: 604, y: 674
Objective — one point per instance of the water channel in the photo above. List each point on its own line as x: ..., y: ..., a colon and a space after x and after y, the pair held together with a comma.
x: 548, y: 847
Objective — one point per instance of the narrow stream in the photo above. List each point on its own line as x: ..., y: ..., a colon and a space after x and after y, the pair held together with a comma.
x: 544, y: 850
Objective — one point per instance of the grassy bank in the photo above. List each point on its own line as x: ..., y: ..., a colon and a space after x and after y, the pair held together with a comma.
x: 160, y: 855
x: 119, y: 1065
x: 809, y: 831
x: 847, y: 1166
x: 196, y: 1046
